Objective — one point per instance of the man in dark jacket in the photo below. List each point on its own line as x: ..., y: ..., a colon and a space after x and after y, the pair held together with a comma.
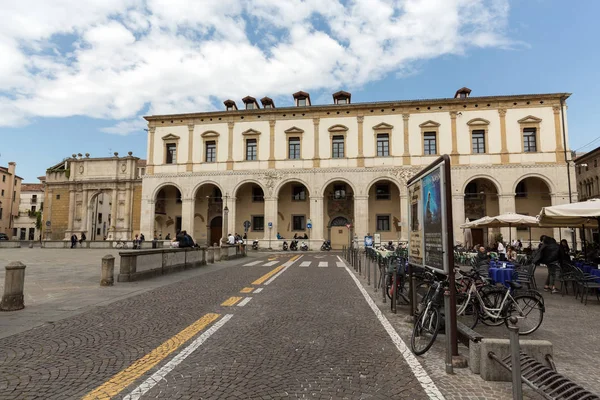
x: 550, y: 254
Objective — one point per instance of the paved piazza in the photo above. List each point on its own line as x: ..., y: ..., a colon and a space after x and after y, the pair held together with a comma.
x: 266, y: 327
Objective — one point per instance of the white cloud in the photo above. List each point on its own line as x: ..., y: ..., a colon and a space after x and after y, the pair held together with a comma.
x: 110, y: 59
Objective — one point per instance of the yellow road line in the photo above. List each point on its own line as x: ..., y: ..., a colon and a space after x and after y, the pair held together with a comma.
x: 231, y: 301
x: 247, y: 290
x: 270, y: 274
x: 120, y: 381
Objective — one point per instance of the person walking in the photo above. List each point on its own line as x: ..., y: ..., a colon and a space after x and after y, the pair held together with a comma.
x: 549, y: 254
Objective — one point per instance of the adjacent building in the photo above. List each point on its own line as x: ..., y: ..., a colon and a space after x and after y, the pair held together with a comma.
x: 10, y: 192
x: 588, y: 182
x: 27, y: 224
x: 339, y: 170
x: 100, y: 197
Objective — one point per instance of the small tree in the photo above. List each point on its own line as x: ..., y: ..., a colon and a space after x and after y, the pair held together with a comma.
x: 498, y: 237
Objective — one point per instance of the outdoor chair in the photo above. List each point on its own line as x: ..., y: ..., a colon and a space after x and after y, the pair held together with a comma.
x: 568, y: 273
x: 526, y: 275
x: 586, y: 283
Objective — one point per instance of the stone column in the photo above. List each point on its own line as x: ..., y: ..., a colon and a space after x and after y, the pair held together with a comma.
x: 69, y: 231
x: 147, y: 217
x: 361, y: 158
x: 454, y: 131
x: 14, y: 284
x: 272, y: 144
x: 458, y: 216
x: 150, y: 166
x: 404, y: 216
x: 271, y: 216
x: 232, y: 215
x: 230, y: 126
x: 507, y: 205
x: 560, y: 156
x: 190, y: 161
x: 85, y: 214
x: 361, y: 216
x: 504, y: 159
x: 316, y: 156
x: 48, y: 216
x: 316, y: 217
x: 406, y: 154
x: 225, y: 222
x: 128, y: 210
x: 187, y: 216
x: 114, y: 221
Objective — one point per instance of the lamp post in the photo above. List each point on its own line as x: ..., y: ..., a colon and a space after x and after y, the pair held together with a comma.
x: 225, y: 220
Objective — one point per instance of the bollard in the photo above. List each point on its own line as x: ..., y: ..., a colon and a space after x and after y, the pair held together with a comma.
x: 210, y: 255
x: 216, y: 252
x: 449, y: 366
x: 359, y: 265
x: 369, y: 271
x: 383, y: 278
x: 515, y: 350
x: 394, y: 289
x: 108, y: 270
x: 14, y: 282
x: 375, y: 282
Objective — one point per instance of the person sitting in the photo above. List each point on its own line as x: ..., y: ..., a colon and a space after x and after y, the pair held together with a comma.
x: 483, y: 257
x: 511, y: 255
x: 305, y: 236
x: 295, y: 236
x: 230, y: 239
x: 168, y: 237
x: 279, y: 236
x: 82, y: 238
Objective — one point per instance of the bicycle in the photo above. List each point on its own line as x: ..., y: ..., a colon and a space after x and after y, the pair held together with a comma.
x: 428, y: 322
x: 525, y: 306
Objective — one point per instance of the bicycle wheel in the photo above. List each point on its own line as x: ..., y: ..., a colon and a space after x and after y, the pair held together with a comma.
x: 468, y: 314
x: 492, y: 298
x: 529, y: 312
x: 425, y: 331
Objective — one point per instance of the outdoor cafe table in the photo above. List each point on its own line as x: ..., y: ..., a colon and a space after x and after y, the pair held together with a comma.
x: 597, y: 273
x: 501, y: 275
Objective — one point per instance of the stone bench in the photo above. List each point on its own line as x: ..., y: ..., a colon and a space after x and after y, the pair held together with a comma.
x: 143, y: 264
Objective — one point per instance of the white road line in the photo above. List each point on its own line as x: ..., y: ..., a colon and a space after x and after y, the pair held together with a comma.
x: 323, y: 264
x: 270, y: 263
x: 287, y: 265
x: 244, y: 302
x: 340, y: 264
x: 342, y: 261
x: 258, y: 290
x: 424, y: 379
x: 304, y: 264
x: 252, y: 263
x: 159, y: 375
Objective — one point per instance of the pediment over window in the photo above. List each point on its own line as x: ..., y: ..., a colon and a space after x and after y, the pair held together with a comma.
x: 430, y: 124
x: 210, y: 134
x: 530, y: 119
x: 338, y: 128
x: 170, y: 136
x: 478, y: 121
x: 294, y: 130
x: 251, y: 132
x: 383, y: 125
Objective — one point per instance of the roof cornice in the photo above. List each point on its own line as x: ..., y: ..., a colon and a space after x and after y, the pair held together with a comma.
x: 355, y: 106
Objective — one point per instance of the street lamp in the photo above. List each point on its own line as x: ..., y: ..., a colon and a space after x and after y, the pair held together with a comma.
x: 225, y: 220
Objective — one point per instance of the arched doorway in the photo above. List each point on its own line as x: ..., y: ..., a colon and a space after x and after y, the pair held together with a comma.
x: 100, y: 221
x: 216, y: 230
x: 250, y: 206
x: 293, y: 209
x: 167, y: 212
x: 481, y: 199
x: 531, y: 194
x: 339, y: 234
x: 384, y: 210
x: 207, y: 206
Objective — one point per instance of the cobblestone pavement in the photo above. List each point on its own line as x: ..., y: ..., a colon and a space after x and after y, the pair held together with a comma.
x: 309, y: 333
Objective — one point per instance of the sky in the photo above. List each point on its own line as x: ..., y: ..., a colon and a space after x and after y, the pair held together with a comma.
x: 77, y: 76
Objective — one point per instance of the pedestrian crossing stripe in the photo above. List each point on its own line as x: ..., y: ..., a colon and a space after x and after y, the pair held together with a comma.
x: 340, y: 264
x: 323, y: 264
x: 270, y: 264
x: 304, y: 264
x: 253, y: 263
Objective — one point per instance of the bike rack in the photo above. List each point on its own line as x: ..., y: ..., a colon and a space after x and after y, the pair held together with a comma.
x: 545, y: 380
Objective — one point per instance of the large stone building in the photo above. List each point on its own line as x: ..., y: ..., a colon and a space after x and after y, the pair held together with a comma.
x: 345, y: 164
x: 100, y: 197
x: 10, y: 192
x: 588, y: 182
x: 30, y: 209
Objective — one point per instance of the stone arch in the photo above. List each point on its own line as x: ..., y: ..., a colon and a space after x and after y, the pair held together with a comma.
x: 162, y: 185
x: 246, y: 181
x: 542, y: 177
x: 482, y: 176
x: 283, y: 182
x: 207, y: 182
x: 384, y: 178
x: 338, y: 179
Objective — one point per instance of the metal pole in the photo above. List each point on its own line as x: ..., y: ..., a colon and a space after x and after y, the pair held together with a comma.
x: 383, y: 278
x: 375, y: 281
x: 517, y: 385
x: 394, y: 289
x: 270, y: 234
x: 368, y: 270
x: 449, y: 339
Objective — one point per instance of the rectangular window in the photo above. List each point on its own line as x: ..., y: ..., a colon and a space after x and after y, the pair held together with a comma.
x: 258, y: 223
x: 2, y: 192
x: 342, y: 101
x: 171, y: 153
x: 478, y: 141
x: 301, y: 102
x: 257, y: 194
x: 249, y: 106
x: 429, y: 143
x: 529, y: 140
x: 383, y: 145
x: 34, y: 198
x: 1, y: 213
x: 298, y: 222
x: 382, y: 192
x: 251, y: 147
x: 339, y: 192
x: 298, y: 193
x: 211, y: 151
x: 383, y: 223
x: 268, y: 105
x: 32, y: 209
x: 3, y: 178
x: 337, y: 146
x: 294, y: 148
x: 58, y: 197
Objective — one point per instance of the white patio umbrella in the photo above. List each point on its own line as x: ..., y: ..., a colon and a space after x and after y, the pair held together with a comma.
x: 584, y: 213
x: 475, y: 224
x: 504, y: 220
x: 467, y: 236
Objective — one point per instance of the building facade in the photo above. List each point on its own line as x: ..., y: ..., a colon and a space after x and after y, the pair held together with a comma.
x: 588, y: 183
x: 342, y: 168
x: 30, y: 210
x: 100, y: 197
x: 10, y: 192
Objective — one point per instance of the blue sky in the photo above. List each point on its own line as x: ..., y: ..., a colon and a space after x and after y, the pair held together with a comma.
x: 63, y: 106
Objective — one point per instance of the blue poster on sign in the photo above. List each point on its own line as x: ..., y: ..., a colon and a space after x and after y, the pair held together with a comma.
x: 368, y: 241
x: 432, y: 219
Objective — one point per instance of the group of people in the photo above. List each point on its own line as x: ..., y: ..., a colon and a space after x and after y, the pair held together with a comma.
x: 236, y: 239
x: 549, y: 253
x: 296, y: 236
x: 74, y: 240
